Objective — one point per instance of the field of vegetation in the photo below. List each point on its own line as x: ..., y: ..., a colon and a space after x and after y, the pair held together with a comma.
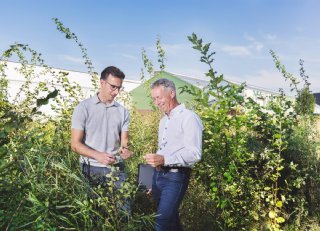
x: 259, y: 171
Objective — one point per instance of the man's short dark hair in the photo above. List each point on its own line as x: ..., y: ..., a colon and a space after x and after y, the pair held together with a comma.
x: 114, y: 71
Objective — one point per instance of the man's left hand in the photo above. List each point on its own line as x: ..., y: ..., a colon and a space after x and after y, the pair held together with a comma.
x: 125, y: 153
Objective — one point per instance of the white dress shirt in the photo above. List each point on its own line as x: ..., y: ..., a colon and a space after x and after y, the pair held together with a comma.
x: 180, y: 137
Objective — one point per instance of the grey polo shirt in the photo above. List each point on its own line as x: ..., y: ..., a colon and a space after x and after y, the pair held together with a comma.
x: 180, y: 137
x: 102, y: 125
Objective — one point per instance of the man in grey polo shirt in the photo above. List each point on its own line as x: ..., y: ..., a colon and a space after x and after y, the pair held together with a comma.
x: 99, y: 130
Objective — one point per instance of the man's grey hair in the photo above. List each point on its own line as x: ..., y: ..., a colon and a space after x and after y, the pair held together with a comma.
x: 166, y: 83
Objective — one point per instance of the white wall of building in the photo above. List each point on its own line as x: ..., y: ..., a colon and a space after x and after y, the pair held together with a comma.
x: 17, y: 79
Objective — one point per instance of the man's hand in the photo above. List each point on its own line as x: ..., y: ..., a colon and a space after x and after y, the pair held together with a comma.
x: 154, y: 160
x: 105, y: 158
x: 149, y: 192
x: 125, y: 153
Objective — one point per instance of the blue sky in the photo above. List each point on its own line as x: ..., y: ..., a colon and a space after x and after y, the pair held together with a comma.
x: 114, y: 32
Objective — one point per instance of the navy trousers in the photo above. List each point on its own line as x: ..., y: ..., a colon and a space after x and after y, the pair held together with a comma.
x: 168, y: 189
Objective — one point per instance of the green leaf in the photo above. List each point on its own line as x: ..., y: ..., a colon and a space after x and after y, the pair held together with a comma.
x: 44, y: 101
x: 280, y: 220
x: 277, y: 136
x: 279, y: 204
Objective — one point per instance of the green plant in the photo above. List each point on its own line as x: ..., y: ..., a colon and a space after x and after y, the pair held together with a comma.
x: 246, y: 166
x: 305, y: 102
x: 41, y: 185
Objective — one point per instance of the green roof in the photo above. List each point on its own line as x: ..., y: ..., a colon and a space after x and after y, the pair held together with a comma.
x: 143, y: 101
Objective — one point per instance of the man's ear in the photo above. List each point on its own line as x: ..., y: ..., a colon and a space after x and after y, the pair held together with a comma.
x: 172, y: 94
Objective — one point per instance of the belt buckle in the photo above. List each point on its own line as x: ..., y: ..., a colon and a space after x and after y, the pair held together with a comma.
x: 173, y: 170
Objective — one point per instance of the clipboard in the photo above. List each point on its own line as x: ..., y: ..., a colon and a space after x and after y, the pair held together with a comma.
x: 145, y: 174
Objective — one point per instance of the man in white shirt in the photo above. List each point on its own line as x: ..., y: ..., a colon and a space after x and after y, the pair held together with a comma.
x: 180, y: 146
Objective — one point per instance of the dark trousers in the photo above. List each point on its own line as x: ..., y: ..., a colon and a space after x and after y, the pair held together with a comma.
x: 168, y: 189
x: 98, y: 176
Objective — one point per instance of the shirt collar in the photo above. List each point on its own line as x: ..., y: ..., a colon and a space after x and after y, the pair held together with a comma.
x: 96, y: 100
x: 176, y: 110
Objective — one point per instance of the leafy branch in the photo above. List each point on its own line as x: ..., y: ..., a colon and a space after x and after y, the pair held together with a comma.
x: 288, y: 76
x: 161, y: 54
x: 87, y: 60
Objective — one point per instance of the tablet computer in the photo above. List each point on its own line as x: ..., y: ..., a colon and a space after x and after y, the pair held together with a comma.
x: 145, y: 174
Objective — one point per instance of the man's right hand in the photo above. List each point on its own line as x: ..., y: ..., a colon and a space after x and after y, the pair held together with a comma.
x: 105, y: 158
x: 154, y: 160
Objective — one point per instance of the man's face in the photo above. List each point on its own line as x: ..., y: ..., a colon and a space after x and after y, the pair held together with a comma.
x: 163, y: 98
x: 110, y: 87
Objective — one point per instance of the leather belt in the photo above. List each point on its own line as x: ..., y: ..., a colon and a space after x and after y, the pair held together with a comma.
x: 173, y: 169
